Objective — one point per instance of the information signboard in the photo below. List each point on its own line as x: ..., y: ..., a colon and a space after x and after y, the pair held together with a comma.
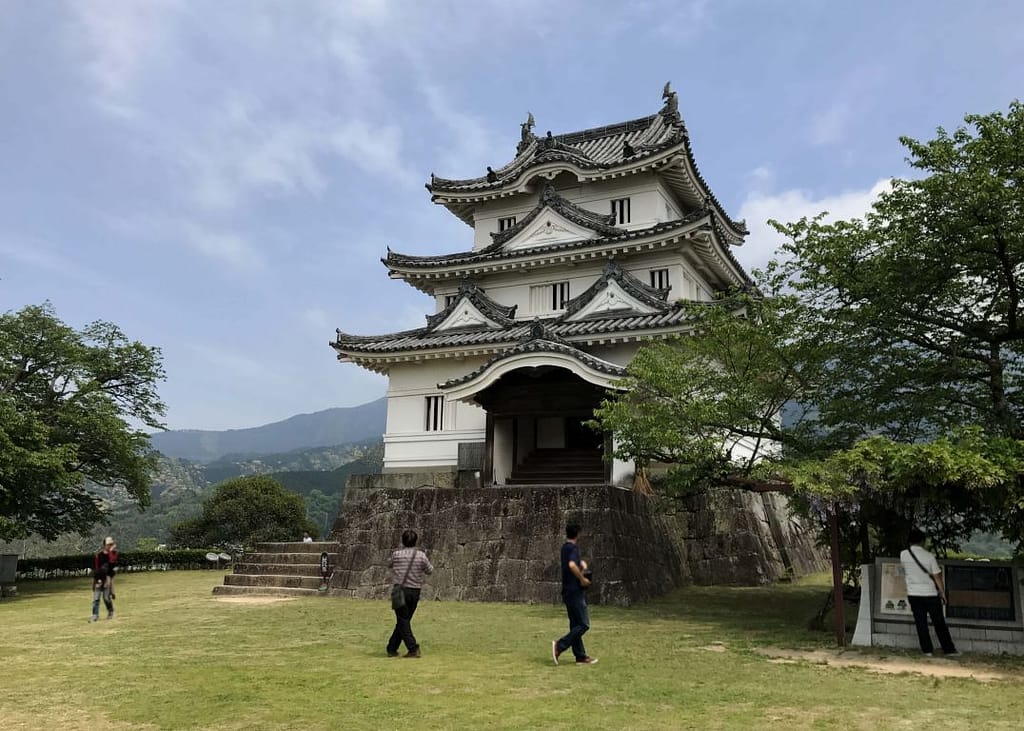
x: 979, y: 591
x: 892, y: 589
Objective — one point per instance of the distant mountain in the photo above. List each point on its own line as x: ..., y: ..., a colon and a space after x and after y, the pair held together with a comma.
x: 306, y: 431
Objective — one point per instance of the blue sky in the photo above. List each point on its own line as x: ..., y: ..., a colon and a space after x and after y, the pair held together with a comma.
x: 221, y: 178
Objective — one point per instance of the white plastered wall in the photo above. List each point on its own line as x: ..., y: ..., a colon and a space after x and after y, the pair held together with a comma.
x: 649, y: 200
x: 408, y: 447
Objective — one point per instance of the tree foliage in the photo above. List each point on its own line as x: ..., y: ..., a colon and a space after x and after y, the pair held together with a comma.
x: 923, y: 296
x: 878, y: 366
x: 245, y: 511
x: 66, y: 398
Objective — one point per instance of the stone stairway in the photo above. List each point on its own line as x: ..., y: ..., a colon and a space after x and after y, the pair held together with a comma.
x: 559, y: 467
x: 279, y: 569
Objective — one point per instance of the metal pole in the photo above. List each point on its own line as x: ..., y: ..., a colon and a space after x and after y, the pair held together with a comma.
x: 837, y: 579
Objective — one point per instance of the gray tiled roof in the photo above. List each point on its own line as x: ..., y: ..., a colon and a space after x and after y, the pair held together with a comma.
x: 424, y: 339
x: 500, y: 314
x: 623, y: 145
x: 650, y: 296
x: 541, y: 345
x: 496, y: 251
x: 599, y: 147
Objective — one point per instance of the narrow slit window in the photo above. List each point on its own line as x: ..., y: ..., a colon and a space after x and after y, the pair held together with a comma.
x: 434, y: 413
x: 559, y: 295
x: 659, y: 278
x: 449, y: 299
x: 506, y: 223
x: 620, y: 210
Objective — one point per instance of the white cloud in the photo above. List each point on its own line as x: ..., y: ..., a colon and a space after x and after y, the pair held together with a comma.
x: 851, y: 97
x: 377, y: 149
x: 228, y: 248
x: 472, y: 145
x: 791, y: 205
x: 116, y: 38
x: 829, y: 125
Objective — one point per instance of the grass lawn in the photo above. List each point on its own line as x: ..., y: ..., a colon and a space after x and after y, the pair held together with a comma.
x: 176, y: 658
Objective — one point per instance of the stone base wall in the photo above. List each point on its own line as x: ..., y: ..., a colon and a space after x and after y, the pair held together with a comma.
x: 501, y: 543
x: 743, y: 538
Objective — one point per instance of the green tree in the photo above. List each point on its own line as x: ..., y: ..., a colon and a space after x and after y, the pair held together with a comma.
x: 66, y: 399
x: 923, y: 297
x: 245, y: 511
x: 903, y: 327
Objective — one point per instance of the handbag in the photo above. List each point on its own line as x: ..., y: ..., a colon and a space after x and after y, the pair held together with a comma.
x: 398, y: 590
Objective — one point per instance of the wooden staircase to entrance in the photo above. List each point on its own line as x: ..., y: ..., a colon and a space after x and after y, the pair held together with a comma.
x: 279, y: 569
x: 560, y: 467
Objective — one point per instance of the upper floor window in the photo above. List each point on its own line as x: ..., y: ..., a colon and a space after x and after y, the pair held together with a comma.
x: 449, y: 298
x: 549, y: 297
x: 434, y: 413
x: 559, y: 295
x: 505, y: 223
x: 659, y: 278
x: 620, y: 210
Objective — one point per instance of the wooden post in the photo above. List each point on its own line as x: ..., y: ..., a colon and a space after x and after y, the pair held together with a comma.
x: 837, y: 578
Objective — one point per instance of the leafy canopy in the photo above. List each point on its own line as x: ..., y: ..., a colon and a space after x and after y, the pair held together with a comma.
x: 66, y: 398
x: 870, y: 344
x: 245, y: 511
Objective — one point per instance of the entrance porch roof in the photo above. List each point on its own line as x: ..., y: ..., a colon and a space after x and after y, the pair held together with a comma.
x: 540, y: 348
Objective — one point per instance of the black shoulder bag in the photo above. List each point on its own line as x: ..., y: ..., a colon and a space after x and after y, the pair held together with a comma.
x: 938, y: 589
x: 398, y: 590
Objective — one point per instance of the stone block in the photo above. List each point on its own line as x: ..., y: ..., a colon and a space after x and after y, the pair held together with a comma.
x: 968, y: 633
x: 985, y: 646
x: 1011, y: 648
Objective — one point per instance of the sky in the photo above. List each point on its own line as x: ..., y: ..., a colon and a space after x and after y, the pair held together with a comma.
x: 220, y: 179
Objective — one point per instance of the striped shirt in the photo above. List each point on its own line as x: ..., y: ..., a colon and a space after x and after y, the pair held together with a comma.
x: 399, y: 563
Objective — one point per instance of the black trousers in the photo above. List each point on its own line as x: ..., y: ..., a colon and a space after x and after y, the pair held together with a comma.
x: 403, y: 623
x: 923, y: 607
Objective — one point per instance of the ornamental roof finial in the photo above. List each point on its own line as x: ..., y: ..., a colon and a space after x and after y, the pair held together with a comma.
x: 526, y: 135
x: 671, y: 108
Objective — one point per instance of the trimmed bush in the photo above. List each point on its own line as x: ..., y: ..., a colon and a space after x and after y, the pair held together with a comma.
x: 56, y: 567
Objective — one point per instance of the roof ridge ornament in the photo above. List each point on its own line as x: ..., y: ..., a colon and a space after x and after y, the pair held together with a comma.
x: 526, y: 135
x: 671, y: 108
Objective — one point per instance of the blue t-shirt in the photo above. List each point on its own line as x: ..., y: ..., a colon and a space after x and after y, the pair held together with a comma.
x: 570, y: 552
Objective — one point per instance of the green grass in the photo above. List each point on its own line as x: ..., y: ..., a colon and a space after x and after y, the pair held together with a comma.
x: 176, y: 658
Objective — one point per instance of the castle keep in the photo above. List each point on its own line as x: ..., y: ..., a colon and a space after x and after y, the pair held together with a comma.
x: 586, y: 245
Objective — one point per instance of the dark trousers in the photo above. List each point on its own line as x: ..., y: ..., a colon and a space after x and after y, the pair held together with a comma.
x: 579, y: 623
x: 922, y: 607
x: 403, y: 623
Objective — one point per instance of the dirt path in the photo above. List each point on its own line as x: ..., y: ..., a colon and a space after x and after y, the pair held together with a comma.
x: 937, y: 667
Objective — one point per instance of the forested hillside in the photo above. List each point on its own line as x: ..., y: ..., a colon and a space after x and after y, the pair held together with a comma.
x: 179, y: 486
x: 302, y: 432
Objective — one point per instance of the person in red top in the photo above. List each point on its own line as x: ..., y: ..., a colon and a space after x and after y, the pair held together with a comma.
x: 104, y: 564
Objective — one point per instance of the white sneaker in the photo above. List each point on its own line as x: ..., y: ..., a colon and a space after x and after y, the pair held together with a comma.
x: 554, y: 651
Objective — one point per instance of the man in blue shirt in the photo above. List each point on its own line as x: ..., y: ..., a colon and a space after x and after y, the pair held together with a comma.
x: 575, y: 599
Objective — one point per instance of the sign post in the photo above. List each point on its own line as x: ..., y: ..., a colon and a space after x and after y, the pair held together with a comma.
x: 325, y: 571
